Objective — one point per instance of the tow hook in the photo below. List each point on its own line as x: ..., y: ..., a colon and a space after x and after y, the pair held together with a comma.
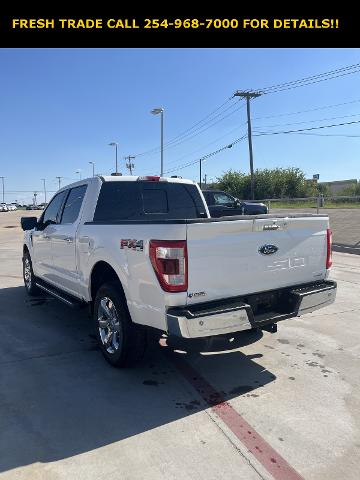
x: 272, y: 328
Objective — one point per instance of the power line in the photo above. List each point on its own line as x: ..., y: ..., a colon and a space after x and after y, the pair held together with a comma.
x: 332, y: 74
x: 201, y: 121
x: 208, y: 144
x: 328, y: 134
x: 191, y: 136
x: 308, y: 121
x: 311, y: 83
x: 193, y: 127
x: 230, y: 145
x: 260, y: 134
x: 208, y: 120
x: 306, y: 111
x: 197, y: 131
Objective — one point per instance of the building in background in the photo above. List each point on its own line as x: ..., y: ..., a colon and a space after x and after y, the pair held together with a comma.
x: 338, y: 186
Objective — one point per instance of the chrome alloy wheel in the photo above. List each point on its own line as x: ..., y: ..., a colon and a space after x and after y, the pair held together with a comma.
x: 27, y: 273
x: 109, y: 325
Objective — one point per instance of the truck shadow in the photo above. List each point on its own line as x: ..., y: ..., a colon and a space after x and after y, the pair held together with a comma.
x: 59, y: 398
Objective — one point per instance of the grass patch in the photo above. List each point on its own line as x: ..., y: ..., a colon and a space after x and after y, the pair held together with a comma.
x: 327, y: 204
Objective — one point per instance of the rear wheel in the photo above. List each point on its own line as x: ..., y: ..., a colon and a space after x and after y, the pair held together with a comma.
x: 121, y: 341
x: 29, y: 277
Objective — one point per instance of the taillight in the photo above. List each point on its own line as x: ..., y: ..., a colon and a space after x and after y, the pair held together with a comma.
x: 329, y: 245
x: 169, y: 260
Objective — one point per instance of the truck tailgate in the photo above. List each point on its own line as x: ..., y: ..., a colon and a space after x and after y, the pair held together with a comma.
x: 243, y: 256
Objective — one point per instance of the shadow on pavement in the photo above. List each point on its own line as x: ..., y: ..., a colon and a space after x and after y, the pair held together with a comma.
x: 59, y: 398
x: 342, y: 248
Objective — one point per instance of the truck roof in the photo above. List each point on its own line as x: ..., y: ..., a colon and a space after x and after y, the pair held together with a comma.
x: 125, y: 178
x: 132, y: 178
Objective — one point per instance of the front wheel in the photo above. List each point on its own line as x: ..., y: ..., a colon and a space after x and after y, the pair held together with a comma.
x: 121, y: 341
x: 29, y: 277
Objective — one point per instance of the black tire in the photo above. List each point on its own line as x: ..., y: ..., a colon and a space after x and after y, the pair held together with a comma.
x: 122, y: 342
x: 29, y: 277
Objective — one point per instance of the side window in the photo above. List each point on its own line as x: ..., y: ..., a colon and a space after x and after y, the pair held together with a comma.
x: 73, y: 204
x: 51, y: 213
x: 222, y: 199
x: 118, y: 201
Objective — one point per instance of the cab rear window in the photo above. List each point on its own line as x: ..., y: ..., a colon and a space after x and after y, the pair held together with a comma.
x: 142, y: 200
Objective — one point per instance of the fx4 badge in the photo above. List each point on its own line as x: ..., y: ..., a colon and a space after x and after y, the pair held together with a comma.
x: 268, y: 249
x: 132, y: 244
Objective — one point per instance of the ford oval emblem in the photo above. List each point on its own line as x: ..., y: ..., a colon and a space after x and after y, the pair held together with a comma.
x: 268, y: 249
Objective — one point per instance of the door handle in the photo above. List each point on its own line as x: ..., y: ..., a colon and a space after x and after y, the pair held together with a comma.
x: 46, y: 237
x: 68, y: 239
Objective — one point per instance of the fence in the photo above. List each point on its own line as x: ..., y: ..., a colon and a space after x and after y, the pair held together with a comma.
x: 311, y: 202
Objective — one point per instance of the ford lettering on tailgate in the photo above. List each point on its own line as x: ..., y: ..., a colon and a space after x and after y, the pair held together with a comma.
x: 268, y: 249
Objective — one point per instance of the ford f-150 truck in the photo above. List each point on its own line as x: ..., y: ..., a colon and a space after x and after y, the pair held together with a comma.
x: 143, y: 252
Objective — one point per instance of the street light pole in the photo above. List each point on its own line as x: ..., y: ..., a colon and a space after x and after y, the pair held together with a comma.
x: 59, y: 180
x: 79, y: 172
x: 115, y: 144
x: 93, y: 168
x: 157, y: 111
x: 43, y: 179
x: 3, y: 189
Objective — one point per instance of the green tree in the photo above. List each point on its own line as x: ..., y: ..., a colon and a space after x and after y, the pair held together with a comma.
x: 323, y: 189
x: 269, y: 183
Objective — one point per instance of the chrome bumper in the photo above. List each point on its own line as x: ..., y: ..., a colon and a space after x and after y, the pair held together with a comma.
x: 234, y: 315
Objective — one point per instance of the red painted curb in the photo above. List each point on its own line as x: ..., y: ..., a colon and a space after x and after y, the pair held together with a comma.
x: 271, y: 460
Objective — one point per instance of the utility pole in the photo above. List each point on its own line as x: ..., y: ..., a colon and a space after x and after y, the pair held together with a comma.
x: 35, y: 202
x: 248, y: 95
x: 130, y: 165
x: 3, y: 189
x: 205, y: 179
x: 43, y: 179
x: 200, y: 162
x: 59, y: 180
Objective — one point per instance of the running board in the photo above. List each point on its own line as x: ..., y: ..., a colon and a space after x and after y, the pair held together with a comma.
x: 64, y: 297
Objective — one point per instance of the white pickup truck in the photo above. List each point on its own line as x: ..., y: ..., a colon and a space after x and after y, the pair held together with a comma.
x: 144, y: 252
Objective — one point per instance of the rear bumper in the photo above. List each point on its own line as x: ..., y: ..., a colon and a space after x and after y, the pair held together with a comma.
x: 251, y: 311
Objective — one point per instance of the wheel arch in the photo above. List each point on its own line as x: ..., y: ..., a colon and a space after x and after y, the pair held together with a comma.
x: 102, y: 272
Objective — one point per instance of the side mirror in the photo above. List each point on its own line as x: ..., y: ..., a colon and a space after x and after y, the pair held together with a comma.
x: 28, y: 223
x: 237, y: 202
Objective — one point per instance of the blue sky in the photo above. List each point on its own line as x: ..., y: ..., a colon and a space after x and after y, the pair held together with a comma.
x: 60, y: 108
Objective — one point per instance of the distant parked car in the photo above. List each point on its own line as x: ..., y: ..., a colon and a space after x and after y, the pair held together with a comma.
x: 31, y: 207
x: 11, y: 207
x: 222, y: 204
x: 3, y: 207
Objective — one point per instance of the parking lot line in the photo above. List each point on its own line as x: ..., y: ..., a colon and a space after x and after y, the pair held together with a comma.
x: 269, y: 458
